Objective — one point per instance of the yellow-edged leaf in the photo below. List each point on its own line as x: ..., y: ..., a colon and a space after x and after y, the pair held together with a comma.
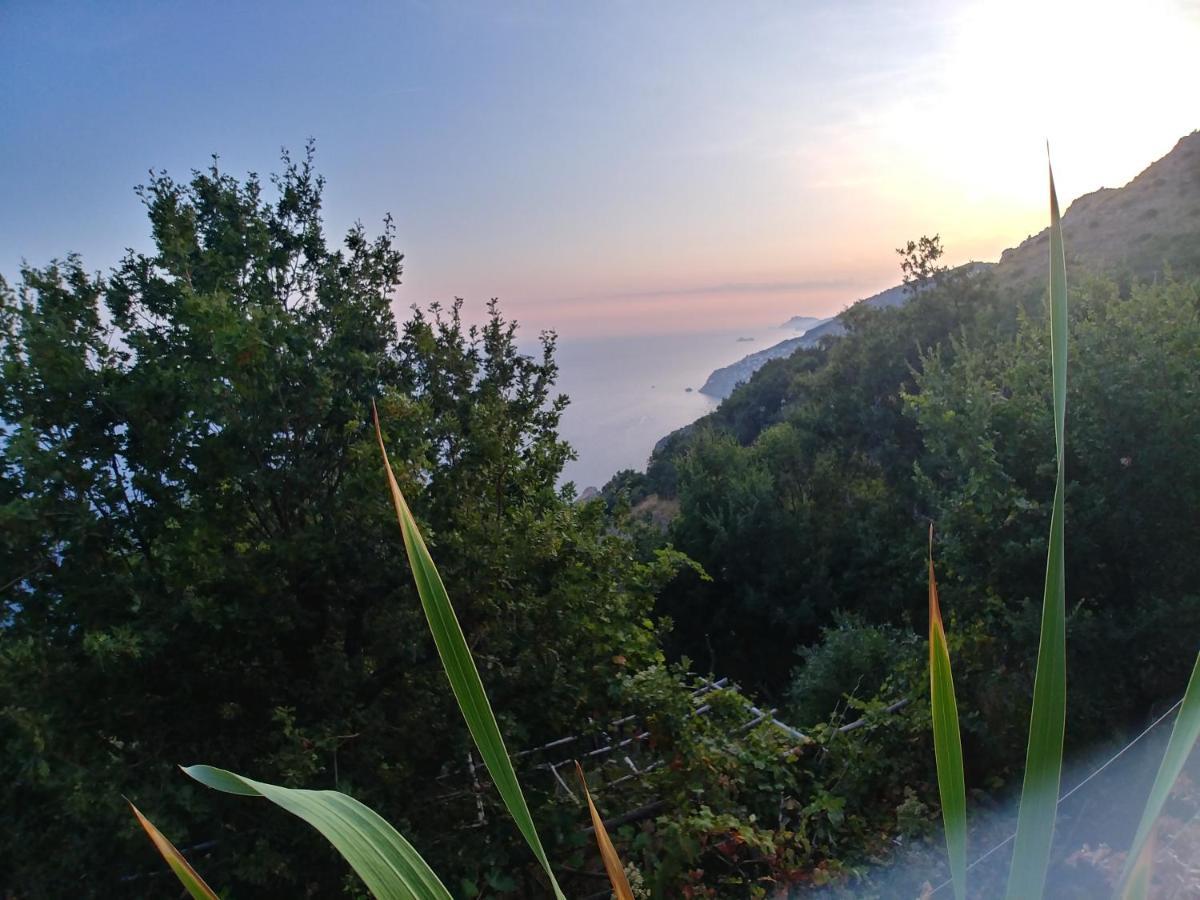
x: 1139, y: 870
x: 947, y: 741
x: 608, y: 853
x: 187, y: 876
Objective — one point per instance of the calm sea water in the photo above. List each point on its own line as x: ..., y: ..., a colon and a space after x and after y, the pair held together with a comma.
x: 627, y: 392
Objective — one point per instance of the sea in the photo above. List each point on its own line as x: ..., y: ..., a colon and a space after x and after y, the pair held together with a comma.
x: 628, y: 392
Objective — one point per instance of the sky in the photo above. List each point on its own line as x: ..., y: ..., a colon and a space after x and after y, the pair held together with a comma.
x: 603, y: 168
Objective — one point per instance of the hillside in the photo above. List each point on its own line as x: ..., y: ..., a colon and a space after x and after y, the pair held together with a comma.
x: 1150, y: 225
x: 722, y: 381
x: 807, y: 495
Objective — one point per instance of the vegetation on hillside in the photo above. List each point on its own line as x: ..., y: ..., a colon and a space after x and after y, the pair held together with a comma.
x: 806, y: 498
x: 199, y: 564
x: 809, y: 491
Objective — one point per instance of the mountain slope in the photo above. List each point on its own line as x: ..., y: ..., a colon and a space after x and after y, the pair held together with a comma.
x: 1150, y: 225
x: 721, y: 382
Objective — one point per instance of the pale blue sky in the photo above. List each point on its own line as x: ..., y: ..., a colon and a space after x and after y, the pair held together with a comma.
x: 603, y: 167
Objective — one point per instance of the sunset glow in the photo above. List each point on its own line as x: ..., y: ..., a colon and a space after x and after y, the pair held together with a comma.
x: 681, y: 169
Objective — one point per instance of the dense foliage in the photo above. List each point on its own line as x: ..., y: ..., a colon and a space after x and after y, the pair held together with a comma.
x: 797, y: 494
x: 200, y: 561
x: 808, y: 494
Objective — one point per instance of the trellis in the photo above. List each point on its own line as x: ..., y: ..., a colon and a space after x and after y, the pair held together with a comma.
x: 622, y: 745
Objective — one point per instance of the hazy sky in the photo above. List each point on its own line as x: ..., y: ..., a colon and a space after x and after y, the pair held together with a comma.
x: 601, y: 167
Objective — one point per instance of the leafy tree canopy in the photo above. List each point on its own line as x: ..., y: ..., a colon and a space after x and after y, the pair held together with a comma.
x: 200, y: 562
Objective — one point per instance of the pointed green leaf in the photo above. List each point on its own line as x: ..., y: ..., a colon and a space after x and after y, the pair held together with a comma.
x: 1184, y: 733
x: 187, y: 876
x: 461, y: 671
x: 1043, y: 760
x: 947, y: 742
x: 388, y: 864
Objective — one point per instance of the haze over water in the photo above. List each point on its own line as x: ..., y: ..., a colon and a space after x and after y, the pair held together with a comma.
x: 627, y: 392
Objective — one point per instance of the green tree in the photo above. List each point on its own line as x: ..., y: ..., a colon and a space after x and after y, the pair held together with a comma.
x: 797, y: 494
x: 201, y: 563
x: 919, y: 263
x: 1133, y: 479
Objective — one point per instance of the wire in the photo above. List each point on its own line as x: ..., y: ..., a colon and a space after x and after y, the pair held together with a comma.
x: 1008, y: 840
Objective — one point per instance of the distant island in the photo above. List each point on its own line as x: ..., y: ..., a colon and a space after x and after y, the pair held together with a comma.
x: 800, y: 323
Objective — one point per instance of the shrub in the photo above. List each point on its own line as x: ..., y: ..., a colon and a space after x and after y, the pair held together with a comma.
x: 852, y: 660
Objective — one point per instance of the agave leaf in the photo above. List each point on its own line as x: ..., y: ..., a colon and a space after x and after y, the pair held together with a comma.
x: 1136, y: 878
x: 460, y: 669
x: 1043, y: 760
x: 383, y: 859
x: 1184, y: 733
x: 612, y: 862
x: 187, y: 876
x: 947, y: 742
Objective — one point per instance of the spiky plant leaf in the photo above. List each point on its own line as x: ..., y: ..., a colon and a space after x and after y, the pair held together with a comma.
x: 460, y: 668
x: 947, y: 742
x: 183, y: 870
x: 1184, y: 734
x: 1135, y: 881
x: 608, y: 853
x: 1047, y: 720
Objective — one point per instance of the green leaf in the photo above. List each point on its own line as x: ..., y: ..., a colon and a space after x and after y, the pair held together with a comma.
x: 461, y: 671
x: 1135, y: 882
x: 947, y: 742
x: 1184, y: 733
x: 1043, y: 760
x: 187, y: 876
x: 383, y: 859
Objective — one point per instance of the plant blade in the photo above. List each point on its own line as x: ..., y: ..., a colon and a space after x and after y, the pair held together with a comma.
x: 608, y: 853
x: 1184, y: 734
x: 947, y: 741
x: 183, y: 870
x: 460, y: 668
x: 388, y: 864
x: 1137, y: 877
x: 1047, y: 720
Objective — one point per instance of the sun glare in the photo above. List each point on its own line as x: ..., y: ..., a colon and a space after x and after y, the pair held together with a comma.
x: 1108, y: 85
x: 1104, y: 82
